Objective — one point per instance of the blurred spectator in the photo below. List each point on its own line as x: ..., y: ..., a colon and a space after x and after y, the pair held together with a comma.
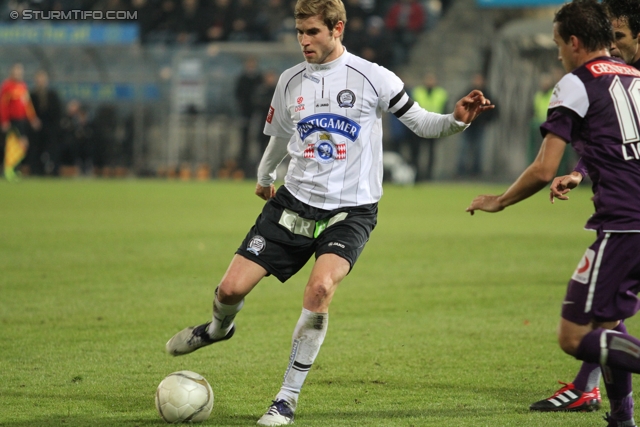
x: 245, y: 90
x: 220, y: 19
x: 273, y: 14
x: 16, y: 113
x: 433, y: 9
x: 67, y: 139
x: 406, y: 20
x: 263, y: 97
x: 104, y: 127
x: 472, y: 139
x: 44, y: 152
x: 378, y: 44
x: 191, y: 22
x: 357, y: 35
x: 354, y: 10
x: 85, y: 140
x: 246, y: 25
x: 432, y: 98
x: 541, y: 98
x: 159, y: 22
x: 540, y: 106
x: 149, y: 17
x: 78, y: 141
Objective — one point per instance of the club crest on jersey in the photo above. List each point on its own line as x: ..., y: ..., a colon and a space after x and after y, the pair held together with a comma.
x: 346, y: 98
x: 256, y: 245
x: 325, y: 151
x: 328, y: 123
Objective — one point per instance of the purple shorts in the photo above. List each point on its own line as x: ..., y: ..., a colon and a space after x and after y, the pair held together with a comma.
x: 605, y: 284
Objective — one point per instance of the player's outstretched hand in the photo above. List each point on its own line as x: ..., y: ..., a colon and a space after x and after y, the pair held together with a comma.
x: 485, y: 203
x: 561, y: 185
x: 471, y: 106
x: 265, y: 193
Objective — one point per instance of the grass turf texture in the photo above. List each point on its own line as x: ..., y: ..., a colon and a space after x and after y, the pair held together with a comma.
x: 447, y: 319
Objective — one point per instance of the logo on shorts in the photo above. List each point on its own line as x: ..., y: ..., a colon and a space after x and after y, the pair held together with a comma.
x: 581, y: 275
x: 256, y: 245
x: 346, y: 98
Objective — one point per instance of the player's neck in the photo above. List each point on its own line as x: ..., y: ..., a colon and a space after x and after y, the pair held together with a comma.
x: 585, y: 57
x: 338, y: 51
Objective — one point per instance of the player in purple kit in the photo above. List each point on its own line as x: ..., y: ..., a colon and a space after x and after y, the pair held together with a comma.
x: 596, y: 109
x: 583, y: 393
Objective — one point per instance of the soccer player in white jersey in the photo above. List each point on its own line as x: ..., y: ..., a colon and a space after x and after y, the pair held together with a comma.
x: 326, y: 114
x: 583, y: 393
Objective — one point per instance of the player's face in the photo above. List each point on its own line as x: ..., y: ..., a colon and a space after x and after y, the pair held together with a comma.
x: 319, y: 44
x: 565, y: 51
x: 625, y: 45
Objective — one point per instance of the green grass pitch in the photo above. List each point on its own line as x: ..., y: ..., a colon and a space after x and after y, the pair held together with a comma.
x: 446, y: 320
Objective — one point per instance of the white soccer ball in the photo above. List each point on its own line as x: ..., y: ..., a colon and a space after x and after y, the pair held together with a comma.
x: 184, y: 396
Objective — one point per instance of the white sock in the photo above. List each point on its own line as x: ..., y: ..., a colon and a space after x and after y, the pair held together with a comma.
x: 307, y: 339
x: 223, y: 315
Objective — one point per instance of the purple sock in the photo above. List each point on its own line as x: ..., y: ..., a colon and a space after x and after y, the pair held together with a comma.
x: 588, y: 377
x: 619, y: 388
x: 611, y: 348
x: 619, y: 354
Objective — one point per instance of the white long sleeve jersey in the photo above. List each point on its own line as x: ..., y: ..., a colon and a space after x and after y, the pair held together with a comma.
x: 331, y: 116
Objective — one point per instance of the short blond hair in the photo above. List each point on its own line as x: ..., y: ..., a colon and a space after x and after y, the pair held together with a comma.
x: 330, y: 11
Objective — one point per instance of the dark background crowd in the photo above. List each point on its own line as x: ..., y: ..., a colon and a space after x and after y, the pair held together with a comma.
x: 380, y: 30
x: 78, y: 139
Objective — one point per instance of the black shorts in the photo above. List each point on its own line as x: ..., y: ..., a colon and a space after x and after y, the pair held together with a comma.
x: 21, y: 126
x: 288, y: 232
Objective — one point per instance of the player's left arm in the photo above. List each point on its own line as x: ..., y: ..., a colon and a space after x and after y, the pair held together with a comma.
x: 427, y: 124
x: 469, y: 107
x: 532, y: 180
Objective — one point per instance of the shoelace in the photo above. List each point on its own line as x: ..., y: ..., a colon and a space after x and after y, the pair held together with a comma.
x: 278, y: 407
x: 199, y: 332
x: 567, y: 386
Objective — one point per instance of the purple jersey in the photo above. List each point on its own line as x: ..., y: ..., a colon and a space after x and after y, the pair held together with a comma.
x: 596, y: 108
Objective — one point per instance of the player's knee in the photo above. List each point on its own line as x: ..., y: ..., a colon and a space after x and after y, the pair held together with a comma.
x: 228, y: 293
x: 569, y: 342
x: 319, y: 291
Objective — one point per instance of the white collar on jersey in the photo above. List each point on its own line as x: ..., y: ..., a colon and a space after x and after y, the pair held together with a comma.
x: 328, y: 66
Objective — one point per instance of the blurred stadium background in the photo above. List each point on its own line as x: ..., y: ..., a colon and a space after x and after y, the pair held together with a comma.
x: 155, y: 91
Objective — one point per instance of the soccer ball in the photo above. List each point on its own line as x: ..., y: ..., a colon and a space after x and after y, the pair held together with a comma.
x: 184, y: 396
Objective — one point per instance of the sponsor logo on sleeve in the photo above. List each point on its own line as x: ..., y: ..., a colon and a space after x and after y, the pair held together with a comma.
x: 270, y: 114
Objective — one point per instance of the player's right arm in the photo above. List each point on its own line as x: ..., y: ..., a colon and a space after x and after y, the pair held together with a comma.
x: 274, y: 154
x: 532, y: 180
x: 279, y: 127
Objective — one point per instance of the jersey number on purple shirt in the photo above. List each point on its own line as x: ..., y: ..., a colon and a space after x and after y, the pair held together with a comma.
x: 628, y: 123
